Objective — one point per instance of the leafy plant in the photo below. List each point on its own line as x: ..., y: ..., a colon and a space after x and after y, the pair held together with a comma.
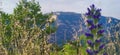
x: 26, y: 30
x: 96, y: 32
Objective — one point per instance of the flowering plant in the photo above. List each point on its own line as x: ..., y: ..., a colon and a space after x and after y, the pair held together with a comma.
x: 96, y: 32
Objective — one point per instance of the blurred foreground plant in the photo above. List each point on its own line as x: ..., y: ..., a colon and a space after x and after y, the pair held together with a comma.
x: 25, y: 32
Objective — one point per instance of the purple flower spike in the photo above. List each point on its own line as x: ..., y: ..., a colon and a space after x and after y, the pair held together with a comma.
x: 105, y: 53
x: 88, y: 9
x: 89, y: 35
x: 87, y: 14
x: 90, y: 43
x: 94, y: 16
x: 98, y: 15
x: 101, y: 46
x: 92, y: 6
x: 99, y: 25
x: 100, y: 31
x: 90, y: 52
x: 96, y: 51
x: 98, y: 10
x: 98, y: 41
x: 92, y: 27
x: 90, y: 22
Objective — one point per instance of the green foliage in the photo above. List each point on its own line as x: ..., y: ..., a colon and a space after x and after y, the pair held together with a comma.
x: 25, y: 32
x: 76, y: 47
x: 84, y: 46
x: 68, y: 49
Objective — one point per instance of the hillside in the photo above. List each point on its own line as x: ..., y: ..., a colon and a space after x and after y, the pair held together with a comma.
x: 72, y: 24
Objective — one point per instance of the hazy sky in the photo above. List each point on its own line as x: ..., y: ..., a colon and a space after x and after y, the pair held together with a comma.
x: 109, y: 7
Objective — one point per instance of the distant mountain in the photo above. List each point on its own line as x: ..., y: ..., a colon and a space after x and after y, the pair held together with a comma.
x: 70, y: 24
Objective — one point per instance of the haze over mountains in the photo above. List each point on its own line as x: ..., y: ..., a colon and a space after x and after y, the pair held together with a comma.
x: 70, y: 24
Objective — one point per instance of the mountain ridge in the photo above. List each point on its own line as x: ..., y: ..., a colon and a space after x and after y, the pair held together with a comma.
x: 72, y: 24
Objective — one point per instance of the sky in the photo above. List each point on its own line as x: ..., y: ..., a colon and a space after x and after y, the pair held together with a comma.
x: 110, y: 8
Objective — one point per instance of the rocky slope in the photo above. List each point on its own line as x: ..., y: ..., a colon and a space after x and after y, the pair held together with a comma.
x: 70, y: 24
